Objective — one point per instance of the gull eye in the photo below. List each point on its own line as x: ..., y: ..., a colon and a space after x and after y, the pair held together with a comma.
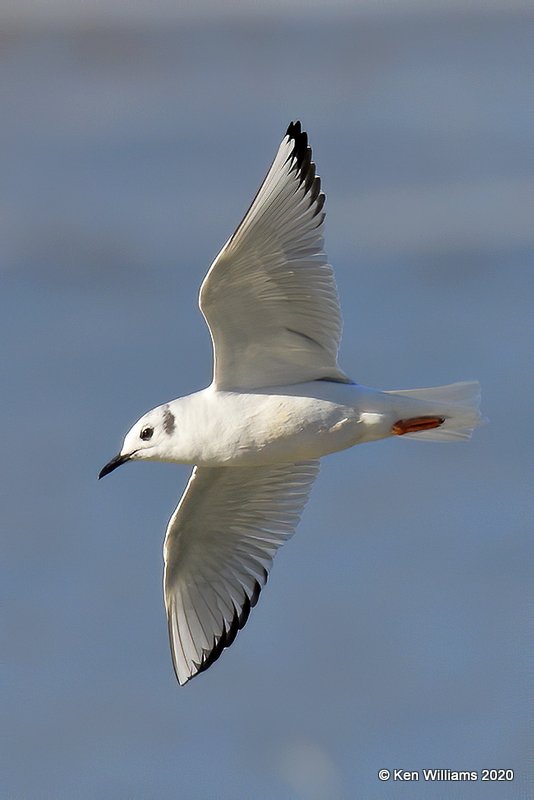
x: 146, y: 434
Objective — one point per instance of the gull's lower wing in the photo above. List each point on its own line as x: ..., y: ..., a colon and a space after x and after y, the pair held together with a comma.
x: 219, y: 546
x: 270, y: 297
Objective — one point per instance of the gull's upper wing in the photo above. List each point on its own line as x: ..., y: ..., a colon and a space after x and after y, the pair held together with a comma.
x: 219, y: 546
x: 270, y: 297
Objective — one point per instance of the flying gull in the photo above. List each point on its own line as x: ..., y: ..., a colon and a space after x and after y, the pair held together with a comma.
x: 277, y: 403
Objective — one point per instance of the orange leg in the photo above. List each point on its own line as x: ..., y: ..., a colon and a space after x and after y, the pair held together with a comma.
x: 415, y: 424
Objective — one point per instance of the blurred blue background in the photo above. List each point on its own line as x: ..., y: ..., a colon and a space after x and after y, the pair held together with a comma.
x: 394, y: 628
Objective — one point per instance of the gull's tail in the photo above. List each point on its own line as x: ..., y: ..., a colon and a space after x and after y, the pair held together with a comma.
x: 456, y: 404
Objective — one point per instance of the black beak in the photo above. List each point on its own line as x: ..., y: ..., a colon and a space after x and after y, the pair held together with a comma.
x: 113, y: 464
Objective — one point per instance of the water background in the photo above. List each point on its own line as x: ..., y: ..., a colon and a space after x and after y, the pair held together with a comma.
x: 394, y: 631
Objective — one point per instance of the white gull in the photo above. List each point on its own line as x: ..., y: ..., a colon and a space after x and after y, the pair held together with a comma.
x: 278, y: 402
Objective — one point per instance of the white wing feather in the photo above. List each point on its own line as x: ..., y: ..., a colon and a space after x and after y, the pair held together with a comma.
x: 219, y: 547
x: 270, y: 298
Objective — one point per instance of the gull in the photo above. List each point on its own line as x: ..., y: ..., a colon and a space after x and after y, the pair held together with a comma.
x: 278, y: 402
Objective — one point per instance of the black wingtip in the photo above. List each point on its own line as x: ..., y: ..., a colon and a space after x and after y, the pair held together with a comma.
x: 294, y: 129
x: 238, y: 622
x: 301, y: 152
x: 304, y: 166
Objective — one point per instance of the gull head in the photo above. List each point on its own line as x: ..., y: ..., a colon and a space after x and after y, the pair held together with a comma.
x: 148, y: 439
